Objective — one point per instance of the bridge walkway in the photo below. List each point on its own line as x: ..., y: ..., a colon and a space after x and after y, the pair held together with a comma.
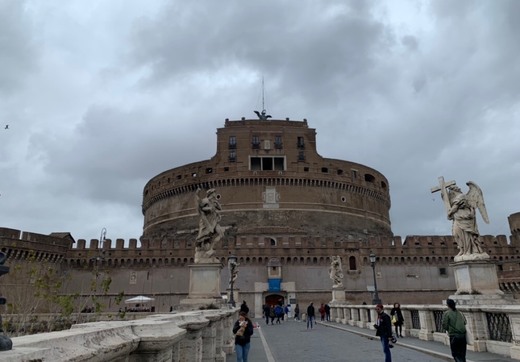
x: 328, y: 341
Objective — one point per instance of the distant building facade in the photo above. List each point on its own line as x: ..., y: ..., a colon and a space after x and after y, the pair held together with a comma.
x: 286, y: 210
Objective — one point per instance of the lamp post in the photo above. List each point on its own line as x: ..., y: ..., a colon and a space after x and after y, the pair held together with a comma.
x: 376, y: 299
x: 232, y: 265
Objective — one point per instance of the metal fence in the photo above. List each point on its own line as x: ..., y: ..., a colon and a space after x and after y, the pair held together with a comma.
x: 499, y: 327
x: 437, y: 317
x: 416, y: 321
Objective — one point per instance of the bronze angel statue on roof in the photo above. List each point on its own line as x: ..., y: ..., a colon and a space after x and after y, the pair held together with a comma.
x: 461, y: 209
x: 263, y: 116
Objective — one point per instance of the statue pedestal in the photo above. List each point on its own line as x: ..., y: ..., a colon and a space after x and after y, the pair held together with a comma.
x: 338, y: 295
x: 477, y: 283
x: 204, y: 287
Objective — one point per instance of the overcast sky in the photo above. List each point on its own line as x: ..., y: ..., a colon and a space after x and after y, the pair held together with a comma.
x: 100, y: 96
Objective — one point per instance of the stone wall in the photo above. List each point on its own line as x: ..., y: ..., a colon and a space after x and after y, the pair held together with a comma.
x: 158, y: 267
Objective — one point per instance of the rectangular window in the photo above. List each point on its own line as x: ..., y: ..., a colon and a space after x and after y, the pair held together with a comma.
x: 256, y: 142
x: 232, y: 142
x: 300, y: 143
x: 279, y: 164
x: 256, y: 163
x: 267, y: 163
x: 232, y: 156
x: 301, y: 155
x: 278, y: 142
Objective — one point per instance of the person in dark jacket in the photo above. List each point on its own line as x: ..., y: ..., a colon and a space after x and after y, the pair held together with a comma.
x: 244, y: 308
x: 267, y: 310
x: 399, y: 320
x: 327, y: 312
x: 243, y: 330
x: 311, y: 314
x: 383, y: 328
x: 454, y: 322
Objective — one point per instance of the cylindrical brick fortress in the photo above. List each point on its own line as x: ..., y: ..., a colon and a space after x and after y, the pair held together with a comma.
x: 269, y: 176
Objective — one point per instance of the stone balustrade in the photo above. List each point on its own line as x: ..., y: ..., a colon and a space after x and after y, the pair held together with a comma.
x: 492, y: 328
x: 204, y: 336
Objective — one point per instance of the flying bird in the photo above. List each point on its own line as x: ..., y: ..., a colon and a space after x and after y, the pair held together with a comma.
x: 6, y: 126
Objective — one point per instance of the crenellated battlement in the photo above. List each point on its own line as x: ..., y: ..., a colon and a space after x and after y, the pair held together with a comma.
x: 62, y: 244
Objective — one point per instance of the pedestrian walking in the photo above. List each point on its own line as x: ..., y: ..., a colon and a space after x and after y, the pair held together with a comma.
x: 397, y: 319
x: 311, y: 314
x: 327, y: 312
x: 322, y: 311
x: 383, y: 328
x: 243, y: 330
x: 454, y: 322
x: 297, y: 312
x: 244, y: 308
x: 278, y: 311
x: 272, y: 314
x: 267, y: 311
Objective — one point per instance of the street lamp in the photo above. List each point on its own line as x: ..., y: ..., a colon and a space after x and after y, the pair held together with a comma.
x: 376, y: 299
x: 232, y: 265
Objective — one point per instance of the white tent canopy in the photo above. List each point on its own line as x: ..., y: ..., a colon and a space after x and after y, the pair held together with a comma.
x: 139, y: 299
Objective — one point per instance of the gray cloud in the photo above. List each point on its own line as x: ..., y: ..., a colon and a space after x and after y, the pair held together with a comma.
x: 120, y: 93
x: 18, y: 57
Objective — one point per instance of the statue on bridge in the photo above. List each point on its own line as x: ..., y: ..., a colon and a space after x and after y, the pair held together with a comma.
x: 210, y: 232
x: 336, y: 272
x: 461, y: 208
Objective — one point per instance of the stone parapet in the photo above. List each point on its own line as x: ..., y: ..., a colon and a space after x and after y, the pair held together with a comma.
x: 490, y: 327
x: 190, y: 336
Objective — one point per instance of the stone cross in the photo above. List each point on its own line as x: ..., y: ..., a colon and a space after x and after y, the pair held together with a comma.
x: 442, y: 188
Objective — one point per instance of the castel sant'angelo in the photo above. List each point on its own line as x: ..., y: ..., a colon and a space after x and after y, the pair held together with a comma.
x: 286, y: 212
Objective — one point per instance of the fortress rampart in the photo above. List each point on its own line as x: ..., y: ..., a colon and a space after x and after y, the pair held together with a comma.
x: 251, y: 250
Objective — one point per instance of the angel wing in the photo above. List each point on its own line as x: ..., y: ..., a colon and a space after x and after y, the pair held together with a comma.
x: 476, y: 199
x: 258, y: 114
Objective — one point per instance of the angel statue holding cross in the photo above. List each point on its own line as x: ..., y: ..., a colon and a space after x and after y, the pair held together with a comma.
x: 461, y: 208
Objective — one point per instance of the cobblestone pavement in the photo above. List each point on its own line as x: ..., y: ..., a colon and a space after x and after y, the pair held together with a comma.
x: 292, y: 341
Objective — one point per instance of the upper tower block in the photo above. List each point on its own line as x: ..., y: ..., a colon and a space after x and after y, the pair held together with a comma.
x: 269, y: 176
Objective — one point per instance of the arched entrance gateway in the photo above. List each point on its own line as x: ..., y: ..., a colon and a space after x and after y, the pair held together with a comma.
x: 274, y: 299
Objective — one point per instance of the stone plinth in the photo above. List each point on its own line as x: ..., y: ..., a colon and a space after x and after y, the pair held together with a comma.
x: 476, y: 277
x: 477, y: 283
x: 338, y: 295
x: 204, y: 286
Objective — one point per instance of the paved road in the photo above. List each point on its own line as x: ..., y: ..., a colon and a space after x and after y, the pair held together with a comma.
x: 291, y: 341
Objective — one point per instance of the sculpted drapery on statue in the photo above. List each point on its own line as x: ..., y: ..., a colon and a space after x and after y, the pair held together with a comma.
x: 461, y: 208
x: 336, y: 272
x: 210, y: 232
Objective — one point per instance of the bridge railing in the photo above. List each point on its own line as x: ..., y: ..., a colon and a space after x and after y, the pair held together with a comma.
x: 204, y: 335
x: 491, y: 328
